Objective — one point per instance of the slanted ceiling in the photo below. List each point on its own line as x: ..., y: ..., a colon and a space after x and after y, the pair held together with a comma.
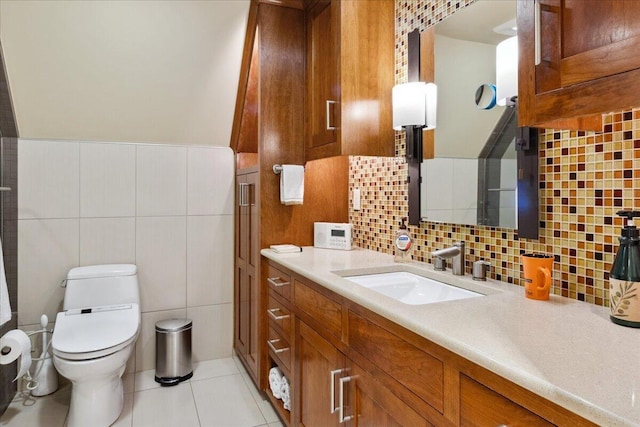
x: 137, y: 71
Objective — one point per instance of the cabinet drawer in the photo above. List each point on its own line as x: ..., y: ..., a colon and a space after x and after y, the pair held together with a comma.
x: 279, y: 281
x: 279, y: 349
x: 417, y: 370
x: 279, y: 314
x: 479, y: 405
x: 322, y: 309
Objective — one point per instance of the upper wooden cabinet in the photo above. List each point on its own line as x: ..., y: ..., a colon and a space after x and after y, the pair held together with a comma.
x: 351, y: 49
x: 577, y: 58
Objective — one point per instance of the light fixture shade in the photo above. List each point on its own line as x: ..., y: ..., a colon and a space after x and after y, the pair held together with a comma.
x: 414, y: 104
x: 507, y: 71
x: 431, y: 91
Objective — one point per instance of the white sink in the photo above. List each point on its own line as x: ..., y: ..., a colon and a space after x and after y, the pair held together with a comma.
x: 410, y: 288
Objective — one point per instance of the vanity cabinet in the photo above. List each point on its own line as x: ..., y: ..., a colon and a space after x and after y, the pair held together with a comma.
x: 352, y: 365
x: 578, y: 58
x: 350, y: 63
x: 246, y: 275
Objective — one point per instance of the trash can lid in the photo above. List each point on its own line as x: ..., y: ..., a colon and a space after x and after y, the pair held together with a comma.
x: 173, y: 325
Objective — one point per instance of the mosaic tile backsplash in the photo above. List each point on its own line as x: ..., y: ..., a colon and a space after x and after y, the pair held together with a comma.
x: 585, y: 178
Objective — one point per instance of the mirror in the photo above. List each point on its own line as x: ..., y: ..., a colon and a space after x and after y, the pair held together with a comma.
x: 473, y: 177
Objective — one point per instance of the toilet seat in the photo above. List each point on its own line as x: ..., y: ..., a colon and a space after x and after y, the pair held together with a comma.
x: 95, y: 332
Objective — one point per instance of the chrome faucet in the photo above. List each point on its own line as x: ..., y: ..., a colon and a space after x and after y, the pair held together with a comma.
x: 456, y: 253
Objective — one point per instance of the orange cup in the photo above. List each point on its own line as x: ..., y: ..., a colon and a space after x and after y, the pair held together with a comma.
x: 537, y: 275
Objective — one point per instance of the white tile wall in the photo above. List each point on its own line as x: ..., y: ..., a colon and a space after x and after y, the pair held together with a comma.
x: 209, y: 260
x: 107, y: 180
x: 210, y: 343
x: 439, y: 179
x: 161, y: 180
x: 465, y: 182
x: 161, y: 249
x: 47, y: 249
x: 166, y: 208
x: 49, y: 178
x: 210, y: 178
x: 107, y: 241
x: 439, y: 200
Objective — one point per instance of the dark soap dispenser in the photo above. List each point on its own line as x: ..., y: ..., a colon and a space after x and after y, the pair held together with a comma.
x: 624, y: 279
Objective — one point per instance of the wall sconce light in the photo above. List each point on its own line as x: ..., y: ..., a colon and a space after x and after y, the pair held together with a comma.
x: 507, y: 71
x: 414, y: 109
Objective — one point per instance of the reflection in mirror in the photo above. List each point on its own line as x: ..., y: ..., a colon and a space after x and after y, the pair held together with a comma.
x: 472, y: 179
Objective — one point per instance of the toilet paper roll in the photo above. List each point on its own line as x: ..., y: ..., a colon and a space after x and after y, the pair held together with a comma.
x: 18, y: 345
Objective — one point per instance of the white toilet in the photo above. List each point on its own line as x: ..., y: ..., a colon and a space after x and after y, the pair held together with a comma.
x: 94, y: 337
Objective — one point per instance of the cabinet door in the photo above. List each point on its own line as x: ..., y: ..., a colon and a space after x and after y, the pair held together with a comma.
x: 323, y: 81
x: 567, y: 57
x: 578, y: 57
x: 320, y: 366
x: 246, y: 271
x: 369, y: 404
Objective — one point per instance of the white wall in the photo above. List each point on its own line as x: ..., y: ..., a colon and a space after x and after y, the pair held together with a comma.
x: 460, y: 67
x: 136, y: 71
x: 166, y: 208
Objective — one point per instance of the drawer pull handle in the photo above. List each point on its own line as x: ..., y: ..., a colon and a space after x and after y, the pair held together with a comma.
x: 277, y: 282
x: 341, y: 417
x: 332, y: 375
x: 271, y: 344
x: 272, y: 314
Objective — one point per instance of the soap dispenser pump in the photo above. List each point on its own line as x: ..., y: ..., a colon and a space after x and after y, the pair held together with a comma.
x: 402, y: 243
x: 624, y: 278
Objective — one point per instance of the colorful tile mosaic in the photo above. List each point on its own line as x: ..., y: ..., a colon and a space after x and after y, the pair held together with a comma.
x: 585, y: 178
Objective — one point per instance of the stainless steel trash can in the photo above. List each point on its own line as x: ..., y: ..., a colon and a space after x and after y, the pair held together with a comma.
x: 173, y: 351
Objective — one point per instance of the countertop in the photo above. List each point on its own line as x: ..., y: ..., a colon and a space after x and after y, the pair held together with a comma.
x: 564, y: 350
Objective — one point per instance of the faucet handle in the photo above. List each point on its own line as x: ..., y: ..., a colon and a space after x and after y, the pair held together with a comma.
x: 439, y: 263
x: 480, y: 269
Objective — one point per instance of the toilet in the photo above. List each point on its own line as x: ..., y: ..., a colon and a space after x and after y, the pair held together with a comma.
x: 93, y: 338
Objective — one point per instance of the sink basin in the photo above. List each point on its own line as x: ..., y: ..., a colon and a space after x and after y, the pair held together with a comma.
x: 410, y: 288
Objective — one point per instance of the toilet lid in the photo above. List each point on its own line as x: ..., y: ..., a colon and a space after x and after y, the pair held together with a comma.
x: 80, y: 332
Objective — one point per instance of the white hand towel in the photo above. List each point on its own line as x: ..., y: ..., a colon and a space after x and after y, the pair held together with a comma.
x: 275, y: 381
x: 5, y: 306
x: 292, y: 184
x: 285, y: 394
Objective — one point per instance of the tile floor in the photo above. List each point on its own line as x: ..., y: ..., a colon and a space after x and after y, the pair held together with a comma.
x: 220, y: 394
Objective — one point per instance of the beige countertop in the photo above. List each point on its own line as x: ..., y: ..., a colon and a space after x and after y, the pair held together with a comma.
x: 564, y: 350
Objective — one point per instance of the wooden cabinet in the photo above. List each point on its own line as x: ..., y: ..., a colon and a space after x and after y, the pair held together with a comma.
x: 352, y: 365
x: 246, y: 275
x: 350, y: 73
x: 577, y: 58
x: 334, y: 390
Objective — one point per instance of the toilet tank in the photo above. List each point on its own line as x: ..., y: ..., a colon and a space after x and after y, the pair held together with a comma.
x: 98, y: 285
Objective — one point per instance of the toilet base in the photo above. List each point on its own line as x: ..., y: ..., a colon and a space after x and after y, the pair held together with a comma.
x: 96, y: 403
x: 97, y: 396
